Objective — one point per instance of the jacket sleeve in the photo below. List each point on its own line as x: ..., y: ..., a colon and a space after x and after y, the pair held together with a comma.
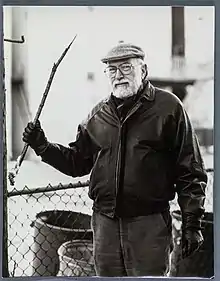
x: 190, y: 174
x: 75, y: 160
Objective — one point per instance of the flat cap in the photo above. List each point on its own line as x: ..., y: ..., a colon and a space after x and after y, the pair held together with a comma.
x: 123, y: 51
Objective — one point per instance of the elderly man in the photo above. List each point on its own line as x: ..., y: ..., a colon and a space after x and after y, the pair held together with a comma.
x: 141, y: 150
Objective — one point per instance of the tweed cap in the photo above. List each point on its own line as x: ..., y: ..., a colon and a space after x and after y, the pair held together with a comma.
x: 123, y: 51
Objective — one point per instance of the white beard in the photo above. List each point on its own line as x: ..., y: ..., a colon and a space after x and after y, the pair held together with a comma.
x: 122, y: 92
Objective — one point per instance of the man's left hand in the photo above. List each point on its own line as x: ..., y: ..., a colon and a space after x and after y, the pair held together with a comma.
x: 192, y: 239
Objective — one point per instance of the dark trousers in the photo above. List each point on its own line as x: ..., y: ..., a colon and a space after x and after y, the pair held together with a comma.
x: 137, y: 246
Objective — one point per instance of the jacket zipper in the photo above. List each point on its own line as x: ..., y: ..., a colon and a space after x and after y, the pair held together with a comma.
x: 118, y: 163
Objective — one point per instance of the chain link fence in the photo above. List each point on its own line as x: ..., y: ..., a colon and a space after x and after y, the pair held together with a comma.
x: 49, y: 232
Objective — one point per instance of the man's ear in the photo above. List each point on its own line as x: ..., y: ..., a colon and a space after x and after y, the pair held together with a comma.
x: 144, y: 71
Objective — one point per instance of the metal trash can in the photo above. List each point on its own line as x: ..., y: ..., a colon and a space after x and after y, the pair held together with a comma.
x: 51, y: 230
x: 76, y: 258
x: 201, y: 263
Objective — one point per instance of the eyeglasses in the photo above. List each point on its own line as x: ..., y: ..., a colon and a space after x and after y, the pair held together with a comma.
x: 125, y: 69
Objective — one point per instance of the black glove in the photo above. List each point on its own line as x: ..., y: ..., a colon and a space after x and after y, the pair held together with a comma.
x: 192, y: 239
x: 35, y: 137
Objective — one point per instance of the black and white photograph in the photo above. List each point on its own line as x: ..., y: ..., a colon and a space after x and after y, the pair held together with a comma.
x: 109, y: 134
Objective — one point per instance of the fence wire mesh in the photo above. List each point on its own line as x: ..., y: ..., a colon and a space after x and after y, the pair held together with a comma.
x: 49, y: 232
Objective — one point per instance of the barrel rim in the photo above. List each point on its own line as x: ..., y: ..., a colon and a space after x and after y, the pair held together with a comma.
x: 40, y: 221
x: 70, y: 260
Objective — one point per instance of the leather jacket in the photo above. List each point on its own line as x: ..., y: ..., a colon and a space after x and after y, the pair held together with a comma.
x: 139, y: 163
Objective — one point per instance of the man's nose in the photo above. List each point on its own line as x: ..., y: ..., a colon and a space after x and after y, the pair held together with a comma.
x: 118, y: 74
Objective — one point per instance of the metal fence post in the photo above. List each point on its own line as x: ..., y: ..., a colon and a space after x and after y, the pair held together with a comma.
x: 5, y: 272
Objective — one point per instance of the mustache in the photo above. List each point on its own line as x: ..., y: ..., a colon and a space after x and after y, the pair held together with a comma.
x: 116, y: 83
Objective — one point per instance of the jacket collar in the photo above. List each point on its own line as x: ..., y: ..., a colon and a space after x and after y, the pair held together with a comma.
x: 148, y: 91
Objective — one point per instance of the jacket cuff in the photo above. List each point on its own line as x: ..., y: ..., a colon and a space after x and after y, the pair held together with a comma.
x: 191, y: 222
x: 41, y: 149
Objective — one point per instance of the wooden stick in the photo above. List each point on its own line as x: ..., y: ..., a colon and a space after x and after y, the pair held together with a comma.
x: 20, y: 158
